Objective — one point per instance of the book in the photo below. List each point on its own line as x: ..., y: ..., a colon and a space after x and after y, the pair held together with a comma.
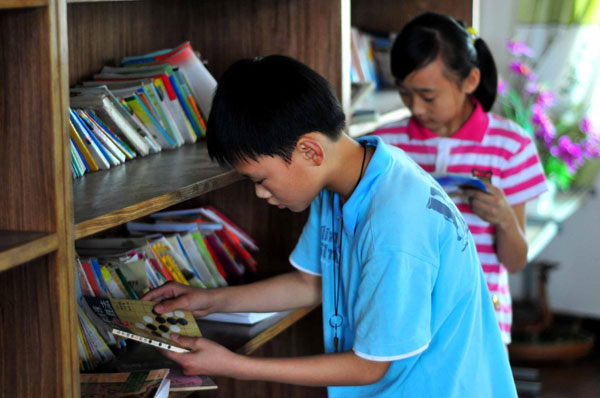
x: 455, y: 182
x: 113, y: 117
x: 136, y: 320
x: 244, y: 318
x: 181, y: 382
x: 136, y: 384
x: 202, y: 83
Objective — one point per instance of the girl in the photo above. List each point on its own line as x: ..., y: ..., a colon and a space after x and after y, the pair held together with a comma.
x: 448, y: 80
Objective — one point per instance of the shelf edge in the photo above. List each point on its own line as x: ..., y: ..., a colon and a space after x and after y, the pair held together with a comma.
x: 267, y: 335
x: 28, y: 251
x: 129, y: 213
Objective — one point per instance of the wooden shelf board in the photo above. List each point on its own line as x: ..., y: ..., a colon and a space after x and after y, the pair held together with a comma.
x: 245, y: 339
x: 389, y: 108
x: 17, y: 247
x: 142, y: 186
x: 22, y: 3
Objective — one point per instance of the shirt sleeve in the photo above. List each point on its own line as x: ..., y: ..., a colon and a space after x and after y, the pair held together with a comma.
x: 523, y: 177
x: 393, y: 309
x: 307, y: 253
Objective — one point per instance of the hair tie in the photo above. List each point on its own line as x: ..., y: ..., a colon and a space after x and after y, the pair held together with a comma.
x: 472, y: 34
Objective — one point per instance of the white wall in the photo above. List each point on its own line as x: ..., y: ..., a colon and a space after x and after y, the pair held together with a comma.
x: 574, y: 287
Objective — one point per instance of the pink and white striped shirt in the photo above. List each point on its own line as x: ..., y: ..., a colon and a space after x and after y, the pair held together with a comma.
x: 489, y: 144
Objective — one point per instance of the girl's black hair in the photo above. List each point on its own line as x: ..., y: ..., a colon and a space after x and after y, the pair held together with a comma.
x: 430, y: 35
x: 262, y: 107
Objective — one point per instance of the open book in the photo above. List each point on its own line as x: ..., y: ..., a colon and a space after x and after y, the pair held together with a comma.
x: 135, y: 319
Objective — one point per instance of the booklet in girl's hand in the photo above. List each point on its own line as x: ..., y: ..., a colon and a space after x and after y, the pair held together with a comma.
x: 453, y: 182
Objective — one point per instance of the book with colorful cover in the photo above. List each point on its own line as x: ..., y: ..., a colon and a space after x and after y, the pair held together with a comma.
x: 136, y: 320
x: 181, y: 382
x: 202, y: 83
x: 454, y: 182
x: 136, y: 384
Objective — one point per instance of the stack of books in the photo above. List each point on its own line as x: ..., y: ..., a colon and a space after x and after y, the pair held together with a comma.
x: 148, y: 104
x: 198, y: 247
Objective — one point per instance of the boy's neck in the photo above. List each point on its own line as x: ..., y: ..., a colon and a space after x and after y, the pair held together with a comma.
x: 346, y: 171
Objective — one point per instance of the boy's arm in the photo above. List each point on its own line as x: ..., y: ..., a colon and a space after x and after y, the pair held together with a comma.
x: 344, y: 368
x: 292, y: 290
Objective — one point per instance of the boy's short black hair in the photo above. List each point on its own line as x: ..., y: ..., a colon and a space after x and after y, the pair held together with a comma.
x: 262, y: 107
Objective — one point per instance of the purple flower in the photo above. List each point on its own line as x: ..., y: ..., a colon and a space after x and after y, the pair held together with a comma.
x: 502, y: 88
x: 586, y: 125
x: 518, y: 48
x: 520, y: 68
x: 545, y: 98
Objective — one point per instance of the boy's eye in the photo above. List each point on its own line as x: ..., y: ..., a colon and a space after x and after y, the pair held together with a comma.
x: 427, y: 99
x: 259, y: 181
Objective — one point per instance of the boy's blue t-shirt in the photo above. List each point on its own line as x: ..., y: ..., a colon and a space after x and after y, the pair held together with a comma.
x: 412, y: 290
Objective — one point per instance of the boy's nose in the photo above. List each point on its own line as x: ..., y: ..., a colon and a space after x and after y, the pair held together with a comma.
x: 262, y: 192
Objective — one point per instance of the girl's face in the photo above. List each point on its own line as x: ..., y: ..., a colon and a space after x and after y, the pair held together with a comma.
x: 436, y: 100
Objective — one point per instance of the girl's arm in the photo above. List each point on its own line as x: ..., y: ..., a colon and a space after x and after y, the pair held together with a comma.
x: 209, y: 358
x: 511, y: 245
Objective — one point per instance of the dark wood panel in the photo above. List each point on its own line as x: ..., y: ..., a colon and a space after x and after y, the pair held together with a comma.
x: 222, y: 31
x: 142, y: 186
x: 31, y: 336
x: 391, y: 15
x: 17, y: 247
x: 26, y: 154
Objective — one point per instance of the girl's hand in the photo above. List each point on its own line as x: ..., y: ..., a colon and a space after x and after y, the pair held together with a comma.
x: 205, y: 357
x: 175, y: 296
x: 490, y: 206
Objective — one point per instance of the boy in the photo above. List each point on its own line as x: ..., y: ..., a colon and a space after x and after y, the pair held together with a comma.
x: 406, y: 311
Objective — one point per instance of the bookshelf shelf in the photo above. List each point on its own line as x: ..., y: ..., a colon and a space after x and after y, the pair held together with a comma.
x: 17, y: 247
x: 5, y: 4
x: 137, y: 188
x: 387, y: 106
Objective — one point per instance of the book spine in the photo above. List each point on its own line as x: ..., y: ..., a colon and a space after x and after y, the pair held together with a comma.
x: 146, y: 340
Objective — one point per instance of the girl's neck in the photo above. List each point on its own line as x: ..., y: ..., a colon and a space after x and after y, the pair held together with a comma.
x: 461, y: 118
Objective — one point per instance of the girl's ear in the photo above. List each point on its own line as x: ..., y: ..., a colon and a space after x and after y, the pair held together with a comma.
x: 310, y: 149
x: 471, y: 82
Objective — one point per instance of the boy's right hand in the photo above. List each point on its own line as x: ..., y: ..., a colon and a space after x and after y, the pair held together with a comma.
x: 174, y: 296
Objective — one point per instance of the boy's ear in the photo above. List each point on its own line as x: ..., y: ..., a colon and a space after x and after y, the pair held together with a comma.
x: 471, y: 82
x: 310, y: 149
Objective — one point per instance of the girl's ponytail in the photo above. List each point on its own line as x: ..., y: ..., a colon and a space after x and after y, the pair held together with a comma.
x: 488, y: 84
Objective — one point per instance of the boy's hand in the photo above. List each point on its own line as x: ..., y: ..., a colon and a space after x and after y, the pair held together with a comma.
x: 205, y: 357
x: 490, y: 206
x: 175, y: 296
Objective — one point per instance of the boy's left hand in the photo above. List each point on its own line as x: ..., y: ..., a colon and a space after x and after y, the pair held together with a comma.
x: 490, y: 206
x: 205, y: 357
